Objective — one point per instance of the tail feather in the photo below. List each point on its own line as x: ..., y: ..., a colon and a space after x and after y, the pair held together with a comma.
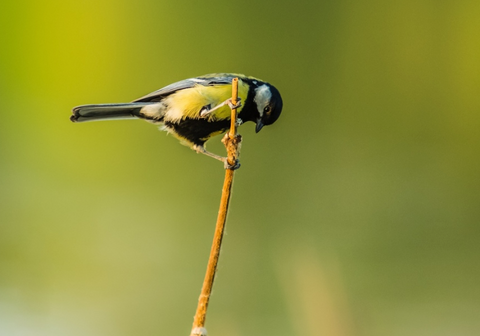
x: 106, y: 111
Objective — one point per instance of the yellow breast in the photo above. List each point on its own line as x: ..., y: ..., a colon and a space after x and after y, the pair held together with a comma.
x: 188, y: 103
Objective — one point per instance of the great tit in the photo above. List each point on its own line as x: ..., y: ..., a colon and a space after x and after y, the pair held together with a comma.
x: 196, y: 109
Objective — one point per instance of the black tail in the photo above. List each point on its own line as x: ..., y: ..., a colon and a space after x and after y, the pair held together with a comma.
x: 106, y: 111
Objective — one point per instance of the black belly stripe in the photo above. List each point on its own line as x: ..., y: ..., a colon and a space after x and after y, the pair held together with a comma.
x: 198, y: 131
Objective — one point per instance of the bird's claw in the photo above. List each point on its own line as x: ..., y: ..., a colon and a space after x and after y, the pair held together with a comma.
x: 229, y: 166
x: 206, y: 110
x: 237, y: 105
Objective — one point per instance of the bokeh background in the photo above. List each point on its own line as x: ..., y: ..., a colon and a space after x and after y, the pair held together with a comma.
x: 356, y: 214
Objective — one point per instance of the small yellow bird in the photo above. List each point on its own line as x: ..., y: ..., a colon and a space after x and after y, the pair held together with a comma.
x: 196, y: 109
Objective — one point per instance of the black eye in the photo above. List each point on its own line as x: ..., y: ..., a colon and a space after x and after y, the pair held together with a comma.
x: 266, y: 109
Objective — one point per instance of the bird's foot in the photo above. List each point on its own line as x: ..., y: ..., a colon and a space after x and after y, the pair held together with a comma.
x: 234, y: 106
x: 206, y: 110
x: 229, y: 166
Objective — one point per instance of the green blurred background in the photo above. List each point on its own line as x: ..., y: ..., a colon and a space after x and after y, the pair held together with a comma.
x: 356, y: 214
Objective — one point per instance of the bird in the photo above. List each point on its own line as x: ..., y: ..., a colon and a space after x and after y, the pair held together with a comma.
x: 196, y: 109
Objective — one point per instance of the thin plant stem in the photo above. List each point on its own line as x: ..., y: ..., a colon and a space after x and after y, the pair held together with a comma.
x: 232, y: 144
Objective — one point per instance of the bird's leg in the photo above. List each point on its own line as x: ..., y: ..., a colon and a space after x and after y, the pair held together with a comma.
x: 207, y: 110
x: 202, y: 150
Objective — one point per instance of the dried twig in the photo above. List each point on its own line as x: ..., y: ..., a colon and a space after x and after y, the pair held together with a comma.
x: 232, y: 144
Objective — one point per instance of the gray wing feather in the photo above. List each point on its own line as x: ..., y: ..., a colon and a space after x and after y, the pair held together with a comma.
x: 213, y: 79
x: 167, y: 90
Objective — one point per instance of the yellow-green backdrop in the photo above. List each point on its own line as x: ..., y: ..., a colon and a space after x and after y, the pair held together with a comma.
x: 356, y: 214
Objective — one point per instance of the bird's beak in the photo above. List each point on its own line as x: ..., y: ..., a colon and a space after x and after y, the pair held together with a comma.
x: 259, y: 125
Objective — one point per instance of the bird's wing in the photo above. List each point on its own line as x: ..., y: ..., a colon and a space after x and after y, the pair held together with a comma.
x: 213, y: 79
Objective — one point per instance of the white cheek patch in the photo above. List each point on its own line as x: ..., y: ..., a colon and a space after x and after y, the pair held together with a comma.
x: 262, y: 98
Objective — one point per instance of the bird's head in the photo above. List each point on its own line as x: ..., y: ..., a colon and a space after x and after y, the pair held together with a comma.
x: 268, y: 103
